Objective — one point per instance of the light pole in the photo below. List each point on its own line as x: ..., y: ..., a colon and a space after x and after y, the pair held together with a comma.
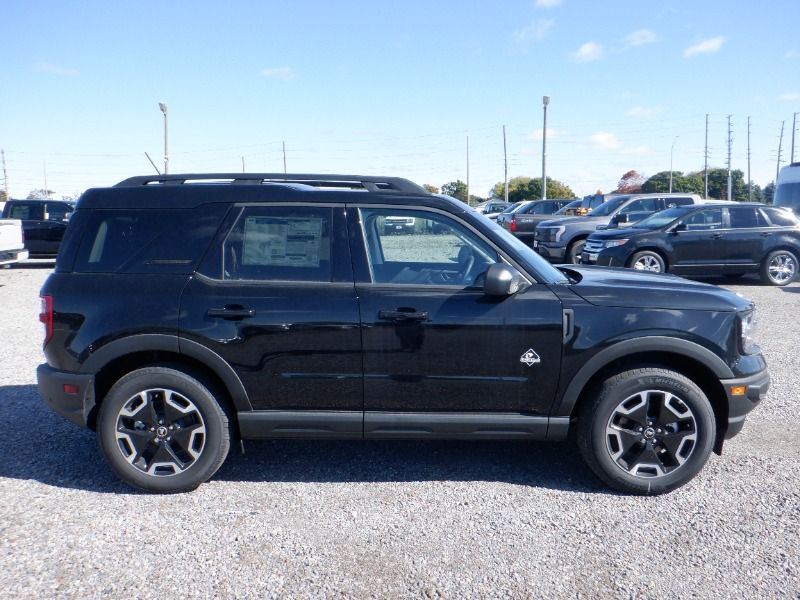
x: 670, y: 162
x: 545, y: 102
x: 163, y: 108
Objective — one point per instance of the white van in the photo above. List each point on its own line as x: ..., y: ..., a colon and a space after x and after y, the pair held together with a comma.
x: 787, y: 192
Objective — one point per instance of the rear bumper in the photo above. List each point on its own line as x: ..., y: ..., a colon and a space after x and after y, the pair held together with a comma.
x: 756, y: 387
x: 11, y: 256
x: 74, y: 407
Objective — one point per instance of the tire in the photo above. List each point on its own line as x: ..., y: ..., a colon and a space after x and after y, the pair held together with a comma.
x: 163, y: 431
x: 574, y: 251
x: 779, y: 268
x: 644, y: 402
x: 647, y: 260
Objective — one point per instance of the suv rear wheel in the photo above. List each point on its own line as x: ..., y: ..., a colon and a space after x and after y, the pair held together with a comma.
x: 649, y: 431
x: 162, y: 430
x: 574, y: 251
x: 779, y: 268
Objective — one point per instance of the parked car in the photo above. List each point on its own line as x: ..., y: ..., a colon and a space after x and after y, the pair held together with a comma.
x: 399, y: 225
x: 561, y: 240
x: 12, y: 245
x: 590, y: 202
x: 43, y: 221
x: 492, y: 208
x: 523, y: 219
x: 728, y: 239
x: 787, y: 190
x: 182, y: 316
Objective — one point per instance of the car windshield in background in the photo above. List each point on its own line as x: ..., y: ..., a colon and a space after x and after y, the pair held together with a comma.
x: 512, y: 208
x: 607, y: 208
x: 571, y: 206
x: 788, y: 195
x: 662, y: 218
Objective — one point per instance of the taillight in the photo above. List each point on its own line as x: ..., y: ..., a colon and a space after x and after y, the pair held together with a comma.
x: 513, y: 225
x: 46, y: 318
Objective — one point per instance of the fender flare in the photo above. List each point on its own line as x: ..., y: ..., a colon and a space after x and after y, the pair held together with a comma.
x: 634, y: 346
x: 171, y: 343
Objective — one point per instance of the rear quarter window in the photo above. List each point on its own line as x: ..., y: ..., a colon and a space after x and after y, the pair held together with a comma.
x: 147, y: 240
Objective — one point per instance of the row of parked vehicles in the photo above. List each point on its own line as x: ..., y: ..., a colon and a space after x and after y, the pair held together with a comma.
x: 679, y: 233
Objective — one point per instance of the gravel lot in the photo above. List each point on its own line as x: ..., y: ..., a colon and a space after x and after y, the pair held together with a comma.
x: 389, y: 519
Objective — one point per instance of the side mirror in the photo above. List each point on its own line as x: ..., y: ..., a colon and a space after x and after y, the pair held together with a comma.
x: 502, y: 280
x: 621, y: 218
x: 679, y: 227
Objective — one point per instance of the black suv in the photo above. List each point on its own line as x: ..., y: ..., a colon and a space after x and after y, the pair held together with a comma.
x: 43, y: 222
x: 720, y: 239
x: 183, y: 315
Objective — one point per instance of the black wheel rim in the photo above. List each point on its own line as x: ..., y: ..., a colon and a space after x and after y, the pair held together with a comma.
x: 651, y: 434
x: 160, y: 432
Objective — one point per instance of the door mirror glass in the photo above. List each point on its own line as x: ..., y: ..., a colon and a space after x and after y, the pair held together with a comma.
x: 502, y: 280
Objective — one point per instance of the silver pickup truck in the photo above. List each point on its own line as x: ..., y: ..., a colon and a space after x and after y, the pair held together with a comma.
x: 12, y: 244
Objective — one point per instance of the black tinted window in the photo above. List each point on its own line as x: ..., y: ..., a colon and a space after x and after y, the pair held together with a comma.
x: 679, y: 201
x: 27, y: 211
x: 703, y: 220
x: 279, y: 244
x: 146, y: 241
x: 746, y: 216
x: 781, y: 218
x: 59, y: 211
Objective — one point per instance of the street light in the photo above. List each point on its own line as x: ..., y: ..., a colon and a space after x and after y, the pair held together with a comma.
x: 545, y: 102
x: 670, y: 162
x: 163, y: 107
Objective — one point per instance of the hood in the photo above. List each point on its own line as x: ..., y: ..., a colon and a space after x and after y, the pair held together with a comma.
x: 604, y: 286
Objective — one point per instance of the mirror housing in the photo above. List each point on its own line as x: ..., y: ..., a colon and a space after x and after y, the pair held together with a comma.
x: 502, y: 280
x: 679, y: 227
x: 621, y: 218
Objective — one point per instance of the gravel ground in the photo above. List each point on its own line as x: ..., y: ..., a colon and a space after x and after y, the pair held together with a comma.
x: 389, y: 519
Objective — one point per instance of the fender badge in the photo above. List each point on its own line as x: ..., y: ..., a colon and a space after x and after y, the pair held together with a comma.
x: 530, y: 357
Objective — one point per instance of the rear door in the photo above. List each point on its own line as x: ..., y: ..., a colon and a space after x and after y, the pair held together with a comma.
x: 433, y: 341
x: 275, y: 298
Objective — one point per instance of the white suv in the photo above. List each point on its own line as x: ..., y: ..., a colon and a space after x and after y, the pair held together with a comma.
x: 787, y: 192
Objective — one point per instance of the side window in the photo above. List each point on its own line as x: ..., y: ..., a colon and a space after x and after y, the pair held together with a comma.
x: 58, y: 211
x: 543, y: 208
x: 644, y: 205
x: 781, y: 218
x: 439, y: 251
x: 743, y: 217
x: 279, y: 243
x: 27, y: 211
x: 704, y: 220
x: 673, y: 202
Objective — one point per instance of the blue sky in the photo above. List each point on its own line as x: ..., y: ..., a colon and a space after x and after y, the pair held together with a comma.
x: 393, y: 88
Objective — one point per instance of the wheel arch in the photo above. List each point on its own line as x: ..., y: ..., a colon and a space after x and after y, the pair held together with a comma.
x: 130, y: 353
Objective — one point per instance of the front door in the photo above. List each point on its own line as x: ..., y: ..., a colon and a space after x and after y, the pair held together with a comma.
x: 433, y: 341
x: 276, y: 300
x: 701, y: 244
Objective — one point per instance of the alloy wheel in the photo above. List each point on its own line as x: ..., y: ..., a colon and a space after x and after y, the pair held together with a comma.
x: 782, y: 267
x: 647, y: 263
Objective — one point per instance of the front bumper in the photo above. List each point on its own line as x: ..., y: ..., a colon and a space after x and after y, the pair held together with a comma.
x: 607, y: 257
x: 74, y: 405
x: 751, y: 390
x: 553, y: 251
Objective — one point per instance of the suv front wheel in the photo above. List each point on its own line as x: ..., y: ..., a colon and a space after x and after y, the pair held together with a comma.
x: 647, y: 432
x: 162, y: 430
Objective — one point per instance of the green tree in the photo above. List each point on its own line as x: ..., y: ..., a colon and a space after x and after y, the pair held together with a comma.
x: 659, y: 183
x: 3, y: 196
x: 525, y: 188
x: 769, y: 192
x: 456, y: 189
x: 431, y: 189
x: 718, y: 184
x: 40, y: 194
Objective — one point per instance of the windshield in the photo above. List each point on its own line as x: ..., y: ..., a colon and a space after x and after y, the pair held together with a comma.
x: 512, y: 208
x: 664, y: 217
x: 607, y: 208
x: 571, y: 206
x: 788, y: 195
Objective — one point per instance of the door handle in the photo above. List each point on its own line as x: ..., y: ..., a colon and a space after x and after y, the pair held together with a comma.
x: 402, y: 315
x: 766, y: 234
x: 231, y: 312
x: 716, y: 236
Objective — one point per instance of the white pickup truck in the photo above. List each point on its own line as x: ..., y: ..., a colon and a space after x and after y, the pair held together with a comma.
x: 12, y: 244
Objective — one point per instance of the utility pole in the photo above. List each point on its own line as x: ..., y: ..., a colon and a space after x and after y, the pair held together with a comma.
x: 467, y: 170
x: 780, y: 147
x: 705, y: 168
x: 671, y: 151
x: 284, y: 157
x: 730, y: 180
x: 749, y: 181
x: 545, y: 102
x: 5, y: 173
x: 163, y: 107
x: 505, y: 165
x: 794, y: 126
x: 243, y: 171
x: 47, y: 190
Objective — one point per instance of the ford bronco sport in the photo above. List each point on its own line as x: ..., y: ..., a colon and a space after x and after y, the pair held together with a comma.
x: 187, y: 311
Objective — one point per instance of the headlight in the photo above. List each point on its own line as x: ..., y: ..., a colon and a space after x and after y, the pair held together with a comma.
x: 747, y: 330
x: 558, y: 232
x: 613, y: 243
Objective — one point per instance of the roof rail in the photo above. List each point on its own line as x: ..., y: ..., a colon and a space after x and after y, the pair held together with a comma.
x: 368, y: 183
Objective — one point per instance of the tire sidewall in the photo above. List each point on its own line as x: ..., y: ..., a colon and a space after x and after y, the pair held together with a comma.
x: 575, y: 249
x: 613, y: 395
x: 217, y: 437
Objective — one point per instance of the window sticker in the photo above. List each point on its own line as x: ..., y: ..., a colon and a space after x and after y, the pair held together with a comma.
x: 282, y: 242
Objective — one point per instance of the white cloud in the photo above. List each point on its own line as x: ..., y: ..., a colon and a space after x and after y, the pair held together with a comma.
x: 643, y: 112
x: 58, y: 70
x: 535, y: 31
x: 605, y: 140
x: 789, y: 97
x: 705, y: 47
x: 640, y: 37
x: 588, y: 52
x: 285, y: 73
x: 547, y: 3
